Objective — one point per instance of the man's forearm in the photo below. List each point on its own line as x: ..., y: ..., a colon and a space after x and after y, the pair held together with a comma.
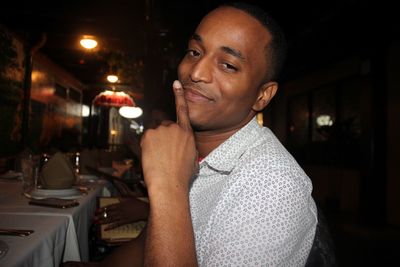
x: 170, y: 238
x: 128, y: 255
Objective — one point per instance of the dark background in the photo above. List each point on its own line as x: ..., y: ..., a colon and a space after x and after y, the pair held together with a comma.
x: 343, y: 60
x: 155, y: 32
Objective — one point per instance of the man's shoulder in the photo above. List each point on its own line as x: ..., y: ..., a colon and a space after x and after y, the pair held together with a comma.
x: 267, y: 148
x: 267, y: 159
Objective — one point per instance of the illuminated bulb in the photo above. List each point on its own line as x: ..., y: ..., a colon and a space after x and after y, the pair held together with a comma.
x: 85, y: 111
x: 324, y: 120
x: 130, y: 112
x: 88, y: 43
x: 112, y: 78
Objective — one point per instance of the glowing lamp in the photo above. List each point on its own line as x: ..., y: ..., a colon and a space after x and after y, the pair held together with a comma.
x: 130, y: 112
x: 112, y: 78
x: 88, y: 42
x: 113, y: 99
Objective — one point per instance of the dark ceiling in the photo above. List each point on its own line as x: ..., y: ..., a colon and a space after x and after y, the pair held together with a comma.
x: 318, y: 31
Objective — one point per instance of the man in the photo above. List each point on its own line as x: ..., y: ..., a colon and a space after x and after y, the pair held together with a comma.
x: 223, y: 191
x: 247, y: 203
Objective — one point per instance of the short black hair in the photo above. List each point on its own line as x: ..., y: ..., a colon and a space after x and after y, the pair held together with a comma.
x: 278, y: 45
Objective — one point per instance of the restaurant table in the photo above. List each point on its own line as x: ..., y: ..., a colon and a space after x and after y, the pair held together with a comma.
x: 69, y: 227
x: 44, y: 247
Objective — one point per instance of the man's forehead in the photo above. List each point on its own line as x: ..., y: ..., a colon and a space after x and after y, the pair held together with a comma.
x: 231, y: 14
x: 230, y: 18
x: 233, y: 25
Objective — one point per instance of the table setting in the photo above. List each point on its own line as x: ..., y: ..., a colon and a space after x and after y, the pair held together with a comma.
x: 36, y: 200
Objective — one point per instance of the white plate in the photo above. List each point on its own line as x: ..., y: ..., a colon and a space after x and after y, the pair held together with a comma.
x: 70, y: 193
x: 88, y: 177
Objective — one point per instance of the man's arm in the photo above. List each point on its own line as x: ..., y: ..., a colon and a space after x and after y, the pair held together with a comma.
x: 127, y: 255
x: 170, y: 239
x: 169, y: 161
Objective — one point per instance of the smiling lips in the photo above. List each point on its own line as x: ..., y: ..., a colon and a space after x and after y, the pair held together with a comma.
x: 193, y: 95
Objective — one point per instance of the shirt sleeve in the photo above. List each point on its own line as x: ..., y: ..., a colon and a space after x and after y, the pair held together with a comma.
x: 266, y: 218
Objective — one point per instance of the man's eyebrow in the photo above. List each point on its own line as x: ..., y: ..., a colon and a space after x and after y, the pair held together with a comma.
x: 225, y: 49
x: 233, y: 52
x: 196, y: 37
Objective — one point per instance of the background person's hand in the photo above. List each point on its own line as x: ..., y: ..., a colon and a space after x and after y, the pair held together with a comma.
x: 169, y: 151
x: 129, y: 210
x: 124, y: 190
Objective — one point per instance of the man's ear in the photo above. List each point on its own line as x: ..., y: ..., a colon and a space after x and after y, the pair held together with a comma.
x: 266, y: 93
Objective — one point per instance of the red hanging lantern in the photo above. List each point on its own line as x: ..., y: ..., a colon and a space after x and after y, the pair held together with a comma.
x: 114, y: 99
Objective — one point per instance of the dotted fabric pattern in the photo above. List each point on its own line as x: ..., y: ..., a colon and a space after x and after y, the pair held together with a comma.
x: 251, y: 204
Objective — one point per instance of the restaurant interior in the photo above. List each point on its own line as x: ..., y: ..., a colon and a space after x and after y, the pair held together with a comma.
x: 337, y: 109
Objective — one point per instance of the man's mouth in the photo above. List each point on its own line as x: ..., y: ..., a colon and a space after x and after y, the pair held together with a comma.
x: 195, y: 95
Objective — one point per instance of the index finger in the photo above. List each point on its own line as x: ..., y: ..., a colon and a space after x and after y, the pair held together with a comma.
x: 182, y: 111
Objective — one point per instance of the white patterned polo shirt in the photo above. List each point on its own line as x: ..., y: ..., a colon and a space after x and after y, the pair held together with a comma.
x: 251, y: 204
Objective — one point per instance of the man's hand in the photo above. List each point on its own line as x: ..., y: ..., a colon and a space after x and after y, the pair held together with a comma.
x: 169, y: 152
x: 169, y: 161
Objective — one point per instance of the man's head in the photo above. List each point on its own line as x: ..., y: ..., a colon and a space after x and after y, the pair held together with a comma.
x: 277, y: 48
x: 229, y: 70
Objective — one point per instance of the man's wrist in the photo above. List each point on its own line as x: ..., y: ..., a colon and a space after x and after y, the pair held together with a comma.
x: 165, y: 191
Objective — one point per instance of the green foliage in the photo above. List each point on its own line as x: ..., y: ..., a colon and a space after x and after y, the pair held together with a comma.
x: 11, y: 95
x: 8, y: 55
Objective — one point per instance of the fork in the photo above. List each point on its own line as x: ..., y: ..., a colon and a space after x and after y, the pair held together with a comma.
x: 15, y: 232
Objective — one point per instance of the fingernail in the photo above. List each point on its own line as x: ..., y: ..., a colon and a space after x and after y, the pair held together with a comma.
x: 177, y: 84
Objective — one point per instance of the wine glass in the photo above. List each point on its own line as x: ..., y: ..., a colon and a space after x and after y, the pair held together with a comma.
x: 3, y: 248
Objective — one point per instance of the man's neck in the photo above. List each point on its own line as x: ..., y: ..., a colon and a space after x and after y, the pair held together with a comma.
x: 207, y: 141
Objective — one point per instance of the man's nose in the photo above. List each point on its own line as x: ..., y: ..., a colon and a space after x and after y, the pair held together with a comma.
x: 202, y: 71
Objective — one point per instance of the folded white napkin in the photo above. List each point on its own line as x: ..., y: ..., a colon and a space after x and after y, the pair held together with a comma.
x: 58, y: 173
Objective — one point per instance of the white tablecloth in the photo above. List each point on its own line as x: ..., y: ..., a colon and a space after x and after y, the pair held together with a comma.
x: 45, y: 247
x: 76, y: 225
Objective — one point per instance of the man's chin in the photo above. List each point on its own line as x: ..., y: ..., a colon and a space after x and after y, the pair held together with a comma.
x: 196, y: 124
x: 199, y: 119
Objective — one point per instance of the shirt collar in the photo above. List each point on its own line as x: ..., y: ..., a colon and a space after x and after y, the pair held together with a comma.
x: 226, y: 155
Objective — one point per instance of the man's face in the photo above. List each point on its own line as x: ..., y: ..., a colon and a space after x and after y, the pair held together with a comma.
x: 223, y: 70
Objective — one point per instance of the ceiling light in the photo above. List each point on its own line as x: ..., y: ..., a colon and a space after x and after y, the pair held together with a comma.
x: 130, y: 112
x: 88, y: 42
x: 112, y: 78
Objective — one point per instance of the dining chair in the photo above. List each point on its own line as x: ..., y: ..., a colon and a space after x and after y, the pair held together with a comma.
x: 322, y: 252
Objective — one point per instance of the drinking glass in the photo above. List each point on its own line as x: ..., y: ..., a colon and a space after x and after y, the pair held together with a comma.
x: 27, y: 170
x: 3, y: 248
x: 30, y: 172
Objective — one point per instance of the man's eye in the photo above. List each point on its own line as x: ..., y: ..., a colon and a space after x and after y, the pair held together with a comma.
x: 229, y: 67
x: 192, y: 53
